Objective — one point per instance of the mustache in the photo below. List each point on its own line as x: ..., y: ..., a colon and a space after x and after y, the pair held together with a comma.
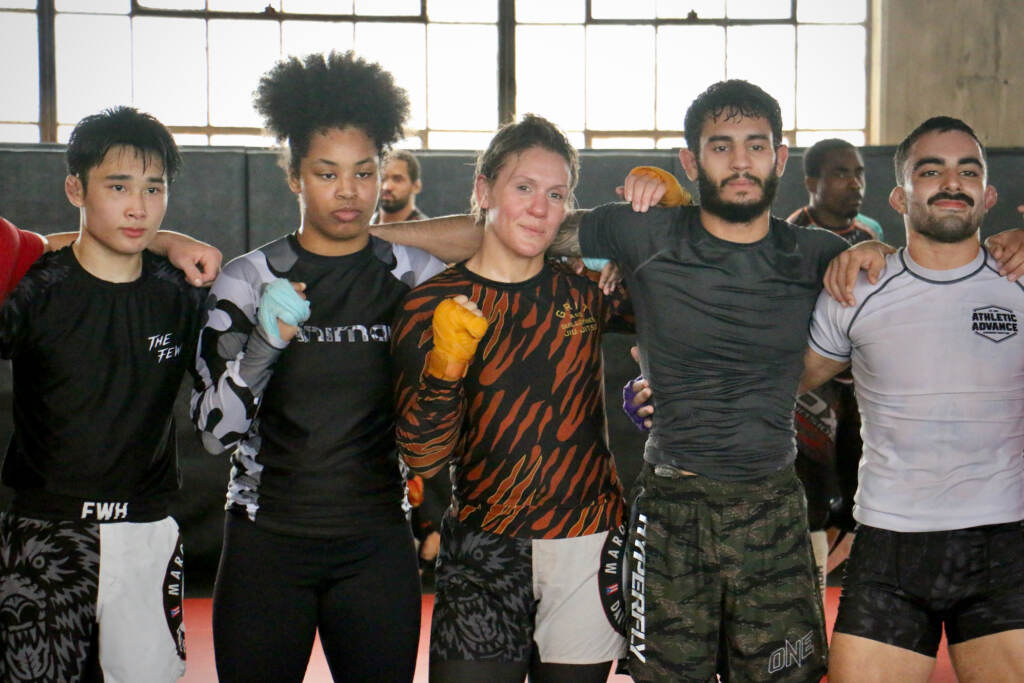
x: 959, y: 197
x: 745, y: 176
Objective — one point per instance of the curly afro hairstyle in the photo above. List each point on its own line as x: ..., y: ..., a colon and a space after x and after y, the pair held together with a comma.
x: 298, y: 98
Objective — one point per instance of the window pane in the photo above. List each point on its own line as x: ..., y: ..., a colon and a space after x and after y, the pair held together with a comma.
x: 307, y: 37
x: 576, y: 138
x: 454, y: 140
x: 482, y: 11
x: 377, y: 42
x: 243, y: 5
x: 18, y: 4
x: 15, y: 132
x: 676, y: 46
x: 388, y: 7
x: 100, y: 6
x: 463, y: 79
x: 20, y: 86
x: 671, y: 143
x: 174, y: 4
x: 317, y: 6
x: 847, y: 11
x: 758, y: 9
x: 240, y: 52
x: 170, y: 69
x: 539, y: 11
x: 616, y: 9
x: 193, y: 139
x: 806, y: 138
x: 242, y: 141
x: 620, y: 77
x: 550, y: 71
x: 93, y: 64
x: 704, y: 9
x: 831, y: 77
x: 764, y: 55
x: 622, y: 143
x: 415, y: 142
x: 64, y: 133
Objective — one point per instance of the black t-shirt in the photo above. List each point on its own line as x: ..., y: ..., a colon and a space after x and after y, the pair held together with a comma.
x: 310, y: 423
x: 97, y: 367
x: 722, y: 328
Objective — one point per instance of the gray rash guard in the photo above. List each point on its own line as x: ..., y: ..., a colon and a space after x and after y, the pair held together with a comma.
x: 722, y: 328
x: 938, y: 362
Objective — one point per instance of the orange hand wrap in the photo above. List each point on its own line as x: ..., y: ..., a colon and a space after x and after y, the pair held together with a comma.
x: 415, y: 487
x: 457, y: 331
x: 675, y: 195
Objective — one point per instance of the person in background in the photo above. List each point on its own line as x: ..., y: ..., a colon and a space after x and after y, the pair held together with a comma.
x: 827, y: 421
x: 400, y: 183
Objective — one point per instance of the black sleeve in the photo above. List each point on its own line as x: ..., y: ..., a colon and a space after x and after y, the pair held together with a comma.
x: 615, y: 231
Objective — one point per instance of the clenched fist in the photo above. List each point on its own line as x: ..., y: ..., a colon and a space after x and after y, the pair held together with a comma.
x: 646, y: 186
x: 458, y: 327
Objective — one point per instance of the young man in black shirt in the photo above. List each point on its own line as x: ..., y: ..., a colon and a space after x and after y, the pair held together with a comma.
x: 100, y: 334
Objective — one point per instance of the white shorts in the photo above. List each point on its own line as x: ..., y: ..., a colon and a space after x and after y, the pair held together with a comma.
x: 572, y: 626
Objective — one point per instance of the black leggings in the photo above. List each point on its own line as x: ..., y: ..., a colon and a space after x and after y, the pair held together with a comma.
x: 274, y: 592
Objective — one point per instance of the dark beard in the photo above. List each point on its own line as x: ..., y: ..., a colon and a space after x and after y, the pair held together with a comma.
x: 948, y: 230
x: 735, y: 212
x: 393, y: 205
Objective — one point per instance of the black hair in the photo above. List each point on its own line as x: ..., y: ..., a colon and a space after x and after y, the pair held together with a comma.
x: 517, y: 137
x: 814, y: 157
x: 298, y: 98
x: 940, y: 124
x: 736, y: 99
x: 94, y: 135
x: 412, y: 164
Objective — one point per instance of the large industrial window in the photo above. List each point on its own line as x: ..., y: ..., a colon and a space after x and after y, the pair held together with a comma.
x: 613, y: 74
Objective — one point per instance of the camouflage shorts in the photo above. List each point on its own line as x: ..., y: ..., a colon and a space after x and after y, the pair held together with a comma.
x: 722, y: 579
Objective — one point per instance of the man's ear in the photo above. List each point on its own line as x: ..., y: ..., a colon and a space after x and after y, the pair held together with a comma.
x: 483, y: 192
x: 811, y: 184
x: 781, y: 157
x: 417, y: 187
x: 689, y: 161
x: 898, y: 199
x: 75, y: 191
x: 991, y: 196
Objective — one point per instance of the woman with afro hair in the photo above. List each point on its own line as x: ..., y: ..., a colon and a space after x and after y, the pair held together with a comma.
x: 295, y: 378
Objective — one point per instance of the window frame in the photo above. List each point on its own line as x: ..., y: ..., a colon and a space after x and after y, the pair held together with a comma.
x: 506, y: 76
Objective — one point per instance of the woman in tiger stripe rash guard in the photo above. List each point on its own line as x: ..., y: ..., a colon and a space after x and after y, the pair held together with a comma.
x: 520, y: 421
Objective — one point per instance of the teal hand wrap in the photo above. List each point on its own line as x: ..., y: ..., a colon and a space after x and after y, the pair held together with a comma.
x: 280, y: 300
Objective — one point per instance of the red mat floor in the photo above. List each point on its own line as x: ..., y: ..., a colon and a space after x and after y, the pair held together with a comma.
x: 200, y: 646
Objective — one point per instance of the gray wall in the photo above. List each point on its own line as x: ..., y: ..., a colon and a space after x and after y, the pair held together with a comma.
x: 237, y: 199
x: 948, y: 57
